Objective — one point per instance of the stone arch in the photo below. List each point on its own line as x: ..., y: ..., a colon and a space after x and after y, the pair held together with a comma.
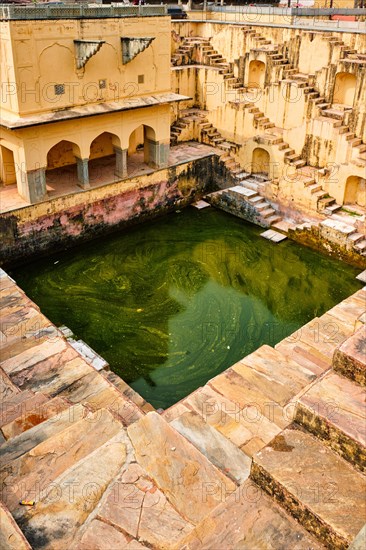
x: 344, y: 88
x: 260, y: 161
x: 106, y: 158
x: 257, y: 72
x: 355, y: 191
x: 63, y: 153
x: 103, y: 145
x: 65, y: 166
x: 144, y: 137
x: 8, y: 174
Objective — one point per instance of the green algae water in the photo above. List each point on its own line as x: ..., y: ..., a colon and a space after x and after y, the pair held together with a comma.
x: 172, y: 303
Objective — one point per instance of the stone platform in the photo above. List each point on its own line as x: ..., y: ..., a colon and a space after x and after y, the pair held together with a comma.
x: 268, y: 454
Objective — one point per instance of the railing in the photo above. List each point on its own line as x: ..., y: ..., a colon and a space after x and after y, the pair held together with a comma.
x: 75, y: 11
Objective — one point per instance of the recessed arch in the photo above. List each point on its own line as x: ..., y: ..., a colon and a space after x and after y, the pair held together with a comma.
x: 257, y: 72
x: 61, y: 169
x: 105, y: 158
x: 344, y: 88
x: 260, y: 161
x: 355, y: 191
x: 143, y: 137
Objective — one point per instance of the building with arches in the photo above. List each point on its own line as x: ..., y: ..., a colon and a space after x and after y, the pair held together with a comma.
x: 74, y: 90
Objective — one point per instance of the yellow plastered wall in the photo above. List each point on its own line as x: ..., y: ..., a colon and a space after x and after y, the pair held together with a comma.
x: 8, y: 96
x: 44, y: 57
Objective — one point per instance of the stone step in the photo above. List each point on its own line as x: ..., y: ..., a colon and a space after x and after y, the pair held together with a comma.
x: 298, y: 163
x: 244, y: 425
x: 249, y: 519
x: 21, y: 444
x: 171, y: 461
x: 361, y: 246
x: 268, y: 212
x: 46, y: 461
x: 250, y: 184
x: 97, y: 392
x: 314, y: 188
x: 354, y: 142
x: 33, y: 415
x: 272, y: 220
x: 219, y: 450
x: 350, y: 358
x: 72, y: 497
x: 255, y: 199
x: 243, y: 191
x: 325, y: 202
x: 361, y: 148
x: 261, y: 206
x: 313, y: 484
x: 265, y: 378
x: 334, y: 410
x: 356, y: 237
x: 333, y: 208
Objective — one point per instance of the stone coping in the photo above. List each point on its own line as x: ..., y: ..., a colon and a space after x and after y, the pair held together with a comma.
x: 78, y: 11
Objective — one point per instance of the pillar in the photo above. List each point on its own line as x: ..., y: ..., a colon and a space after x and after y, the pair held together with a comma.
x: 83, y: 172
x: 33, y: 185
x: 121, y: 162
x: 156, y: 153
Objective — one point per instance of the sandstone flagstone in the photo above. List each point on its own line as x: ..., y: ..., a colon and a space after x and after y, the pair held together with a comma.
x: 324, y: 334
x: 138, y: 508
x: 127, y: 391
x: 277, y: 374
x: 100, y: 535
x: 177, y: 467
x: 306, y: 355
x: 30, y: 339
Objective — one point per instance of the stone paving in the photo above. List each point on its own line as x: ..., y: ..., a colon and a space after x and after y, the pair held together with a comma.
x: 270, y: 454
